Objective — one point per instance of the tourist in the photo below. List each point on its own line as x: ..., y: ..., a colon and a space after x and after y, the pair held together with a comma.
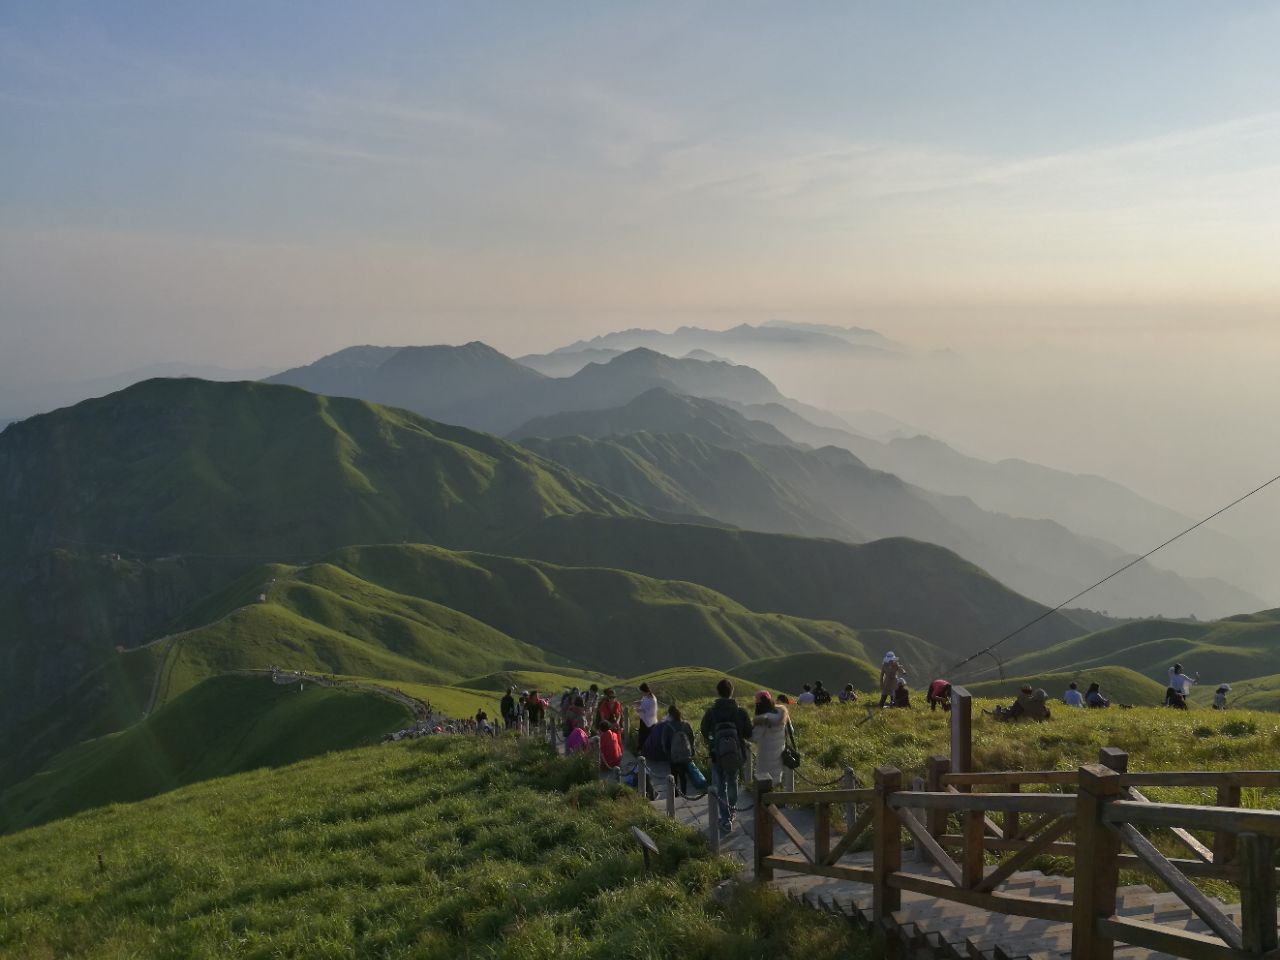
x: 535, y: 708
x: 847, y: 695
x: 592, y: 699
x: 481, y: 717
x: 891, y: 671
x: 1179, y: 687
x: 609, y: 709
x: 507, y: 708
x: 806, y: 697
x: 770, y: 735
x: 1093, y: 698
x: 939, y: 695
x: 576, y: 740
x: 1220, y: 696
x: 1029, y: 705
x: 677, y: 744
x: 1072, y: 697
x: 646, y: 715
x: 610, y: 747
x: 726, y: 728
x: 901, y: 695
x: 821, y: 696
x: 574, y: 716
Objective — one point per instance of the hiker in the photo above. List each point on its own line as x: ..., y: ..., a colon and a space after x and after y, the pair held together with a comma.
x: 770, y: 734
x: 481, y: 717
x: 1093, y: 698
x: 1220, y: 696
x: 574, y: 716
x: 507, y: 708
x: 726, y: 728
x: 821, y: 696
x: 1029, y: 705
x: 677, y: 744
x: 609, y: 710
x: 901, y: 695
x: 535, y: 708
x: 592, y: 699
x: 610, y: 748
x: 891, y: 670
x: 566, y: 699
x: 847, y: 695
x: 646, y: 715
x: 1072, y: 697
x: 576, y: 740
x: 1179, y: 687
x: 806, y: 697
x: 939, y: 695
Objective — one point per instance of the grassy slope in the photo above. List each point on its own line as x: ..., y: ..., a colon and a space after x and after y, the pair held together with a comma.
x: 686, y: 685
x: 224, y: 725
x: 1117, y: 684
x: 789, y: 674
x: 444, y: 848
x: 1240, y: 648
x: 897, y: 584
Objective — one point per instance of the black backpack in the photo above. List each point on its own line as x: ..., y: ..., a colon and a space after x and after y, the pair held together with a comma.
x: 726, y: 746
x: 681, y: 747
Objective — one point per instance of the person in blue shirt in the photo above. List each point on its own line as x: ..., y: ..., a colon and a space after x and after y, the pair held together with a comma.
x: 1072, y: 697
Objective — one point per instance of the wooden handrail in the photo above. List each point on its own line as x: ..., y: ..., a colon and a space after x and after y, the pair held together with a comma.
x: 800, y: 798
x: 1022, y: 802
x: 1258, y: 779
x: 1192, y: 816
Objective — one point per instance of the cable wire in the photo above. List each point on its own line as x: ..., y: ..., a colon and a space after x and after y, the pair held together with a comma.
x: 1132, y: 563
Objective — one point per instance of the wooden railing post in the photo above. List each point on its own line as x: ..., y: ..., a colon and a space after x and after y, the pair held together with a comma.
x: 886, y: 857
x: 1257, y: 892
x: 1097, y: 869
x: 1010, y: 824
x: 1224, y: 842
x: 973, y: 854
x: 713, y: 822
x: 846, y: 783
x: 763, y: 828
x: 821, y: 832
x: 1113, y: 758
x: 934, y: 768
x: 961, y: 732
x: 671, y: 796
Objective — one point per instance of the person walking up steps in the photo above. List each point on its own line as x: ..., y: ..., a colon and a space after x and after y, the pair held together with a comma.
x: 726, y: 728
x: 771, y: 722
x: 891, y: 671
x: 646, y: 714
x: 677, y: 744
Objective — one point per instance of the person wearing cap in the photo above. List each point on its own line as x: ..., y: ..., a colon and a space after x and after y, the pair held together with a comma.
x: 891, y: 671
x: 901, y: 695
x: 1220, y: 696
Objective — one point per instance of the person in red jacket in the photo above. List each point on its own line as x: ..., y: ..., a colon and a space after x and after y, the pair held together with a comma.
x: 939, y: 695
x: 610, y: 709
x: 610, y: 748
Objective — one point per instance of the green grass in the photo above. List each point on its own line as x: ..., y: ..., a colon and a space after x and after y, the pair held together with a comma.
x: 1117, y: 684
x: 440, y: 848
x: 789, y: 674
x: 682, y: 685
x: 224, y: 725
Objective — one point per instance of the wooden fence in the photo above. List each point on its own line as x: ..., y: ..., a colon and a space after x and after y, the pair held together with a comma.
x: 1097, y: 815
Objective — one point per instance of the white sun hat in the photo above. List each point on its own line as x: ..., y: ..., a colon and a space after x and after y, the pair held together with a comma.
x: 890, y: 657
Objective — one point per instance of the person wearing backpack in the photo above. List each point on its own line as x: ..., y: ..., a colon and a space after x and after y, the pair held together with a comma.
x: 677, y: 744
x: 726, y: 728
x: 821, y: 697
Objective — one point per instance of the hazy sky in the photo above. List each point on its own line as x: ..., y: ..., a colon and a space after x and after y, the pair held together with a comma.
x: 253, y: 184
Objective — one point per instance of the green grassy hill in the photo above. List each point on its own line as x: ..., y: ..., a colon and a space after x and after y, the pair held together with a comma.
x: 902, y: 585
x: 437, y: 850
x: 789, y: 674
x: 1118, y: 684
x: 1237, y: 649
x: 687, y: 685
x: 222, y: 726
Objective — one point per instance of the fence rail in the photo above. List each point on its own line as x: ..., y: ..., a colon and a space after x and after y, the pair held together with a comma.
x: 1104, y: 822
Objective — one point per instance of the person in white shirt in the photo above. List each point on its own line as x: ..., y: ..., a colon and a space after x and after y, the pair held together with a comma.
x: 647, y: 714
x: 1179, y: 686
x: 807, y: 696
x: 1072, y: 697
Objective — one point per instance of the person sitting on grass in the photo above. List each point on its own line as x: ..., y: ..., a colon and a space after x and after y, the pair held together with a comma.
x: 1220, y: 696
x: 1093, y: 698
x: 1072, y: 697
x: 806, y: 697
x: 820, y: 695
x: 847, y: 695
x: 901, y: 695
x: 1029, y: 705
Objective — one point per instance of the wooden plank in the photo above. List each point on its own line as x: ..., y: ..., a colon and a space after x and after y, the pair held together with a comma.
x: 1033, y: 849
x: 833, y: 870
x: 852, y: 835
x: 1224, y: 842
x: 886, y: 845
x: 1054, y: 803
x: 1187, y: 839
x: 1009, y: 828
x: 1194, y: 816
x: 804, y: 798
x: 991, y: 843
x: 1031, y: 829
x: 972, y: 854
x: 985, y: 778
x: 1055, y: 910
x: 1097, y: 873
x: 987, y: 822
x: 1177, y: 881
x: 1204, y: 778
x: 961, y: 730
x: 939, y: 856
x: 763, y: 832
x: 821, y: 833
x: 1192, y: 868
x: 1257, y: 892
x: 1161, y: 939
x: 792, y: 833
